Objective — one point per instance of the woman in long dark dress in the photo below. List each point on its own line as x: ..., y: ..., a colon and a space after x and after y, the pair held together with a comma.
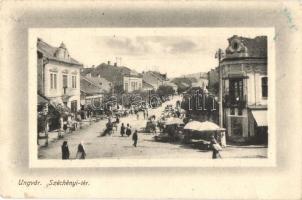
x: 109, y: 127
x: 123, y: 130
x: 81, y: 154
x: 134, y: 138
x: 65, y: 151
x: 128, y: 130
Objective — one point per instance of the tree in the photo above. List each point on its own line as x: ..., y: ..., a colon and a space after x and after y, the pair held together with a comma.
x: 214, y: 88
x: 165, y: 90
x: 118, y: 89
x: 182, y: 89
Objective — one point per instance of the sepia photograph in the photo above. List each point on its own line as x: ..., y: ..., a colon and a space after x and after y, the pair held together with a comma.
x: 152, y: 93
x: 150, y: 99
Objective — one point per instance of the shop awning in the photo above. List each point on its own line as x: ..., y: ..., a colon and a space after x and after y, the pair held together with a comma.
x: 260, y: 117
x: 42, y: 99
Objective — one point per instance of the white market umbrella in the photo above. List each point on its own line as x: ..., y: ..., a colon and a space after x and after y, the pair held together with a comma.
x: 209, y: 126
x: 193, y: 125
x: 203, y: 126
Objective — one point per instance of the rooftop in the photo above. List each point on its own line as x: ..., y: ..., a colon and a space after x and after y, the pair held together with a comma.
x: 147, y: 85
x: 255, y: 47
x: 90, y: 87
x: 50, y: 52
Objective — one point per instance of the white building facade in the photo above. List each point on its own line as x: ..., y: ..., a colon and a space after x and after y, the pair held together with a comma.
x: 132, y: 83
x: 58, y: 75
x: 245, y: 88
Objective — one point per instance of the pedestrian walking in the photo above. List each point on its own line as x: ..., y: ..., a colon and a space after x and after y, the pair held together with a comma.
x: 144, y: 114
x: 137, y: 115
x: 109, y: 126
x: 215, y: 148
x: 128, y: 131
x: 65, y: 151
x: 123, y: 130
x: 135, y: 138
x: 81, y: 154
x: 65, y: 127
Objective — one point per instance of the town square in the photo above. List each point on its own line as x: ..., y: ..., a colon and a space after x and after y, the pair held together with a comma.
x: 152, y: 97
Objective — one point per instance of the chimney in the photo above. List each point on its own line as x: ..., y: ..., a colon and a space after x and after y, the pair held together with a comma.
x: 115, y: 64
x: 108, y: 62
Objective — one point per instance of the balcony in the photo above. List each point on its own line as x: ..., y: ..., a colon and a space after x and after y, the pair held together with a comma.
x: 231, y: 102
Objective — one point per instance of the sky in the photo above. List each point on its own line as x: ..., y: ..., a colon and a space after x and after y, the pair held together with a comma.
x: 175, y: 51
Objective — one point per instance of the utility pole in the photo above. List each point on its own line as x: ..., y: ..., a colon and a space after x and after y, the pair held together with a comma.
x: 219, y: 55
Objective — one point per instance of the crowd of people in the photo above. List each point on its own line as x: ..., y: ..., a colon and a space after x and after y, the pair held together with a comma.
x: 111, y: 127
x: 126, y: 130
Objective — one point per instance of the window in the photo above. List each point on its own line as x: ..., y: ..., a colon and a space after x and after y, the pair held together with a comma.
x: 239, y: 111
x: 264, y: 87
x: 73, y: 106
x: 65, y: 81
x: 135, y: 86
x: 232, y: 111
x: 236, y: 126
x: 126, y: 87
x: 53, y: 81
x: 74, y: 81
x: 236, y: 90
x: 235, y: 45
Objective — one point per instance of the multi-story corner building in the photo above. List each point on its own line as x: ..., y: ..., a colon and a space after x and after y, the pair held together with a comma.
x: 245, y: 87
x: 58, y: 75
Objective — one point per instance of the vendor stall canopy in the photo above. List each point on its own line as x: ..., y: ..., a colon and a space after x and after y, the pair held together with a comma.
x: 203, y: 126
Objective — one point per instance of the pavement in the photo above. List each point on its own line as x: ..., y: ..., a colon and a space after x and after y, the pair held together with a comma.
x: 122, y: 147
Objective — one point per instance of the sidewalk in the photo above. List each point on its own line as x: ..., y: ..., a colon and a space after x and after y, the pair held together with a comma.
x: 53, y: 136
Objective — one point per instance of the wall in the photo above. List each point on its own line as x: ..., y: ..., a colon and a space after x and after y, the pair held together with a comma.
x: 152, y: 80
x: 244, y: 124
x: 136, y: 80
x: 40, y: 73
x: 254, y: 70
x: 255, y: 89
x: 55, y: 94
